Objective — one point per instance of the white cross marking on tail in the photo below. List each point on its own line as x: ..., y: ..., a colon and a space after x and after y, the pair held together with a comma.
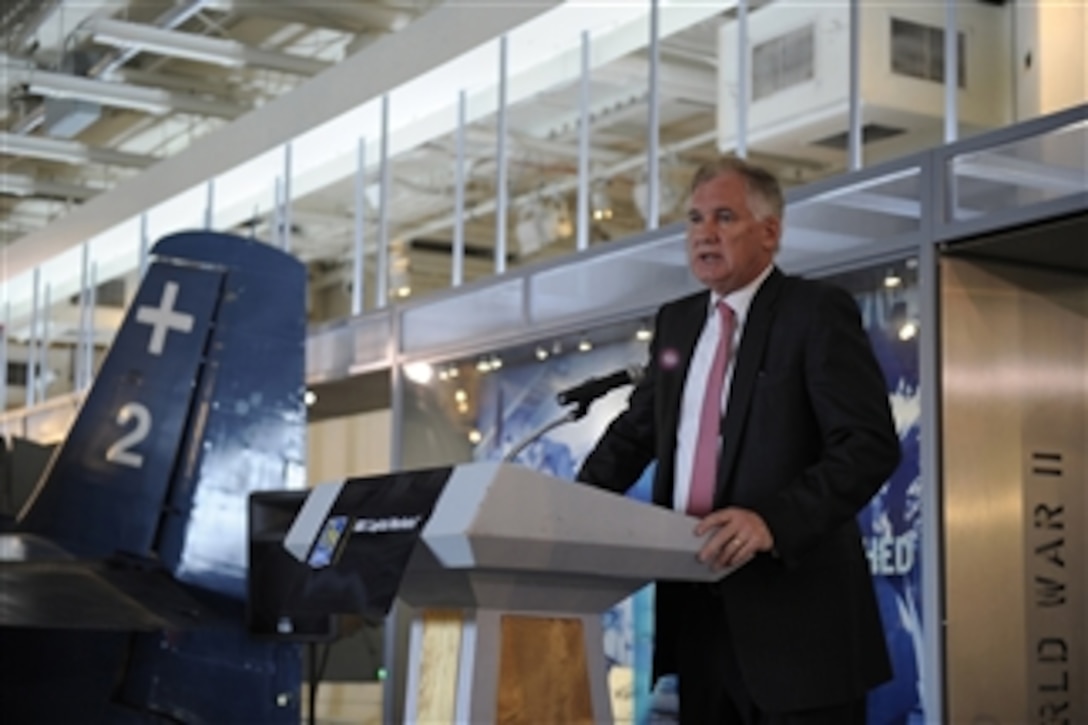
x: 164, y: 318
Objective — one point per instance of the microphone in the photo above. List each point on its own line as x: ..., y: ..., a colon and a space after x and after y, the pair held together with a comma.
x: 585, y: 393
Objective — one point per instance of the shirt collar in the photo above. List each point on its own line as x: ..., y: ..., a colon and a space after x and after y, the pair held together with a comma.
x: 740, y: 300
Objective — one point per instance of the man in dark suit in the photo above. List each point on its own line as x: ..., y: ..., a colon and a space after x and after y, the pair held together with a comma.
x: 796, y: 438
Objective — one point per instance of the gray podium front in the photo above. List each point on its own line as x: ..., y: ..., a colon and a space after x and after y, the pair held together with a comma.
x: 508, y: 571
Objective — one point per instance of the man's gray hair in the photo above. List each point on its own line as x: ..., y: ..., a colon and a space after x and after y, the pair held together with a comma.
x: 765, y: 196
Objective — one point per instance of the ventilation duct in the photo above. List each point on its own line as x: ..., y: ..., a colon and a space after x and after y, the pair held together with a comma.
x: 68, y: 117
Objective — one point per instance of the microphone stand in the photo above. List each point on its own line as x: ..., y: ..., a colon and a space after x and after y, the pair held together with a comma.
x: 576, y: 413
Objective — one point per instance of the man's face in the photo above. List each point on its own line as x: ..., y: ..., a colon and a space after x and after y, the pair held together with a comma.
x: 727, y: 245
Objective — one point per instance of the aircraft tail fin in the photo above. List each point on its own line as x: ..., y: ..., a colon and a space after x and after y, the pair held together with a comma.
x: 198, y: 402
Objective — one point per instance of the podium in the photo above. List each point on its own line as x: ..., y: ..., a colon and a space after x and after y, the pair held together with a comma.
x: 508, y: 570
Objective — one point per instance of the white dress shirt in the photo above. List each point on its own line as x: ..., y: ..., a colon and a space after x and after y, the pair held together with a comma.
x: 687, y: 430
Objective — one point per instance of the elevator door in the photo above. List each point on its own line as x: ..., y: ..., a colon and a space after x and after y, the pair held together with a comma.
x: 1014, y: 396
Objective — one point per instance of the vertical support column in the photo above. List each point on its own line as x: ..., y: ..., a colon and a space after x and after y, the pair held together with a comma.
x: 583, y: 148
x: 92, y: 303
x: 277, y: 213
x: 742, y: 78
x: 381, y: 281
x: 32, y: 342
x: 43, y: 346
x: 145, y: 244
x: 951, y: 71
x: 209, y: 205
x: 358, y: 257
x: 286, y: 216
x: 82, y: 376
x: 500, y: 154
x: 4, y: 354
x: 854, y: 138
x: 932, y: 179
x: 457, y: 269
x: 653, y: 124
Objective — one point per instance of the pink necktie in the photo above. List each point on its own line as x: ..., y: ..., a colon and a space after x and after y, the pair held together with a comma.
x: 704, y: 472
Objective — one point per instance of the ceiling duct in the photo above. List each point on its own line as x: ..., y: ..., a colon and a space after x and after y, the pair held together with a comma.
x: 68, y: 117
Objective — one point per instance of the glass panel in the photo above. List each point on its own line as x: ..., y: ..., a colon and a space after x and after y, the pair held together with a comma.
x: 648, y: 272
x: 871, y: 213
x: 1021, y: 173
x: 355, y: 346
x: 468, y: 316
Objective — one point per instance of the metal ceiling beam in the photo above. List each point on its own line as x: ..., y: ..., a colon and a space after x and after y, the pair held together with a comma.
x: 119, y: 95
x: 49, y: 32
x: 24, y: 185
x: 357, y: 16
x: 68, y: 152
x: 200, y: 48
x: 438, y: 37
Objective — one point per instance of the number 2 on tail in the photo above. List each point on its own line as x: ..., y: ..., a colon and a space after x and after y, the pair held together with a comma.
x: 121, y: 452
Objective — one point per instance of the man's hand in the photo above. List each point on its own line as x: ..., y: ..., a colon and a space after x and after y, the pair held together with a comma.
x: 736, y: 535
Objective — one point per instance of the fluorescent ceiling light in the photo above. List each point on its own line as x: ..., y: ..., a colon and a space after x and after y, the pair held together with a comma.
x: 46, y: 149
x: 22, y: 185
x: 16, y: 184
x: 59, y: 85
x: 200, y: 48
x: 66, y: 151
x: 217, y: 51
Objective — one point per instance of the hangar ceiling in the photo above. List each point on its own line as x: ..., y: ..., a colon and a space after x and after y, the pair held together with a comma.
x: 97, y: 91
x: 102, y: 95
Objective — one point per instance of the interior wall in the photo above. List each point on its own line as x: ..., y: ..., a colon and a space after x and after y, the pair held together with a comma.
x: 340, y: 447
x: 349, y: 446
x: 1014, y: 394
x: 1051, y: 58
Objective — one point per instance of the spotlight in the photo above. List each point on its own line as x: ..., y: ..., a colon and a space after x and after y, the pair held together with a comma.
x: 908, y: 330
x: 419, y: 372
x: 892, y: 280
x: 541, y: 353
x: 584, y: 345
x: 309, y: 398
x: 474, y: 436
x: 496, y: 362
x: 483, y: 365
x: 643, y: 334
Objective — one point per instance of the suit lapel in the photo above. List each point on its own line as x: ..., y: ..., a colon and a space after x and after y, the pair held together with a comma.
x: 757, y: 329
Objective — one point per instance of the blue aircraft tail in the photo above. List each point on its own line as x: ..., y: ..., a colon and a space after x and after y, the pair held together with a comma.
x: 139, y: 522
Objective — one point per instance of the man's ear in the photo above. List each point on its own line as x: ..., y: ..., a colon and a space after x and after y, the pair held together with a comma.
x: 772, y: 232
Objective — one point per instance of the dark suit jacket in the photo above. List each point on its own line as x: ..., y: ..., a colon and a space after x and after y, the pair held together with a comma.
x: 808, y: 439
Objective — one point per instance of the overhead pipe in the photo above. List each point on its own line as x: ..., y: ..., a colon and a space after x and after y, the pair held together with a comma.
x: 136, y: 37
x: 69, y: 152
x: 170, y: 19
x: 121, y: 95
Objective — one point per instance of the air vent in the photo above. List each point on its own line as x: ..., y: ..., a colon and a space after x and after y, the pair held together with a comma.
x: 918, y: 52
x: 870, y: 132
x: 783, y: 62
